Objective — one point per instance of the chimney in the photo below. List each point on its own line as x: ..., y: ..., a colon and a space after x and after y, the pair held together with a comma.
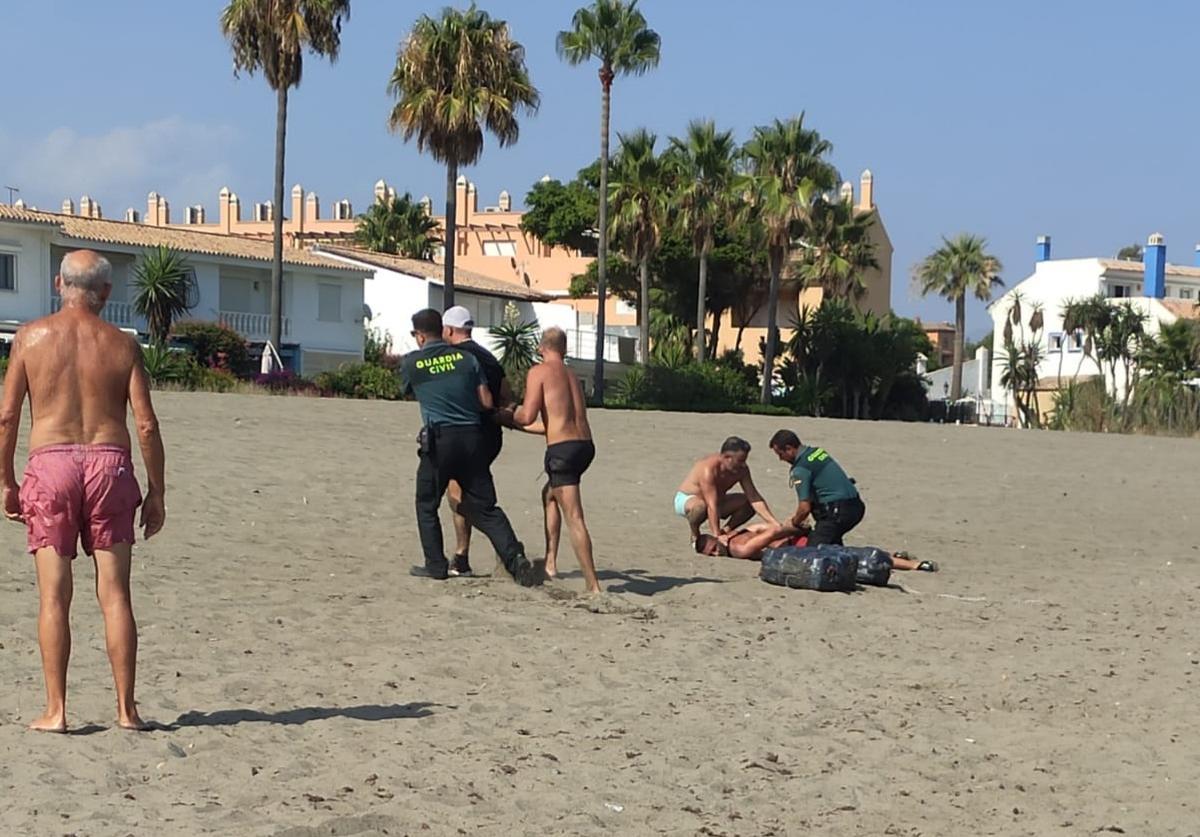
x: 85, y: 207
x: 1196, y: 257
x: 1043, y: 248
x: 472, y: 198
x: 381, y: 190
x: 131, y: 215
x: 427, y: 205
x: 19, y: 203
x: 152, y: 209
x: 505, y: 201
x: 847, y: 193
x: 1155, y: 283
x: 460, y: 200
x: 68, y: 207
x: 312, y: 207
x: 342, y: 211
x: 235, y: 210
x: 866, y: 198
x: 298, y: 208
x: 223, y: 201
x: 163, y: 212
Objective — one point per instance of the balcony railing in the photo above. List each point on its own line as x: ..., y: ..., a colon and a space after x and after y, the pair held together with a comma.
x: 252, y: 325
x: 581, y: 344
x: 120, y: 314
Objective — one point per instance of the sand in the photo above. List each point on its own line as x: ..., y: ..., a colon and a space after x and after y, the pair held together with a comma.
x: 1044, y: 683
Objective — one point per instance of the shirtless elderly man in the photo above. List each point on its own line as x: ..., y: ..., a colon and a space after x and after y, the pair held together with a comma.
x: 704, y: 493
x: 554, y: 405
x: 79, y: 372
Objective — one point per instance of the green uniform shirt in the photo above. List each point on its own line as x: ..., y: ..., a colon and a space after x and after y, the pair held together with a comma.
x: 817, y: 477
x: 446, y: 381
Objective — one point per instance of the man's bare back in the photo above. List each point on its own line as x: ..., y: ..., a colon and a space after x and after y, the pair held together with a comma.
x: 560, y: 395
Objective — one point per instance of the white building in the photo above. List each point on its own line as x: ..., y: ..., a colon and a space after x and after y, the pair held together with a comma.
x: 322, y: 298
x: 399, y: 287
x: 1163, y: 292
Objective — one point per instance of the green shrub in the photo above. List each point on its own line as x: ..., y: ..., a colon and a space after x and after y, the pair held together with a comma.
x: 168, y: 366
x: 214, y: 345
x: 214, y: 380
x: 3, y: 367
x: 360, y: 380
x: 706, y: 387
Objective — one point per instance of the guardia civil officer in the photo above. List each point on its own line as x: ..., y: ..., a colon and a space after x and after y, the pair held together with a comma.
x: 452, y: 390
x: 822, y: 490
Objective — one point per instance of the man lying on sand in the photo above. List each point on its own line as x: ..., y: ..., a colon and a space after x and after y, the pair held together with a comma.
x: 750, y: 542
x: 79, y: 373
x: 704, y: 493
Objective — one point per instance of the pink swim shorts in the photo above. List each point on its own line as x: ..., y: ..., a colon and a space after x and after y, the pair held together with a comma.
x: 79, y: 492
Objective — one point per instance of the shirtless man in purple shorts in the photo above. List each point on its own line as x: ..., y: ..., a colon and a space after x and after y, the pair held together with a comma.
x: 79, y: 373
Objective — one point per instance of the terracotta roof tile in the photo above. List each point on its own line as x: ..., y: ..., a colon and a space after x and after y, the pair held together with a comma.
x: 104, y: 231
x: 1138, y: 267
x: 1183, y: 308
x: 467, y: 280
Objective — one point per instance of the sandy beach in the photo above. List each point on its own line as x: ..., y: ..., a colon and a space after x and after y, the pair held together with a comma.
x: 1043, y: 683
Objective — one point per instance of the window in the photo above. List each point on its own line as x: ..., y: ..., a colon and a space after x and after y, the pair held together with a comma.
x: 487, y: 311
x: 1185, y: 293
x: 329, y: 303
x: 1076, y: 342
x: 1056, y: 342
x: 1119, y: 291
x: 8, y: 271
x: 626, y: 309
x: 499, y: 248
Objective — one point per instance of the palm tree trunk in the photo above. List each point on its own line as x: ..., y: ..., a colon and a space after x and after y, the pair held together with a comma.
x: 960, y: 326
x: 451, y: 234
x: 702, y: 291
x: 644, y: 309
x: 276, y: 327
x: 606, y: 78
x: 716, y: 332
x: 775, y: 257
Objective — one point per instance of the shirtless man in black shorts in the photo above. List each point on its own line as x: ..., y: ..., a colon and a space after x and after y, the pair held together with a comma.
x: 554, y: 405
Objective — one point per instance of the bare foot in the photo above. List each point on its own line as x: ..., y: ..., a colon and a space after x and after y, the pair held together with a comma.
x: 50, y: 723
x: 132, y: 721
x: 552, y: 571
x: 596, y: 591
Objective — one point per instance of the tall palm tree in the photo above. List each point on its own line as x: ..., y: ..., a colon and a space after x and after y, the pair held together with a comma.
x: 456, y: 77
x: 640, y: 197
x: 400, y: 226
x: 789, y: 170
x: 271, y: 36
x: 163, y: 290
x: 615, y: 32
x: 960, y: 267
x: 836, y: 249
x: 707, y: 178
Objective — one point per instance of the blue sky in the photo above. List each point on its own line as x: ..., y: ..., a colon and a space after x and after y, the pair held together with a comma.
x: 1073, y: 117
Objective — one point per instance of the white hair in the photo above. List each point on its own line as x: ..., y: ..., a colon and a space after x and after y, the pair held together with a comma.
x: 87, y: 273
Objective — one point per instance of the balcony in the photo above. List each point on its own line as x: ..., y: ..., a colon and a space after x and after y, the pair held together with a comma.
x: 254, y: 326
x: 120, y: 314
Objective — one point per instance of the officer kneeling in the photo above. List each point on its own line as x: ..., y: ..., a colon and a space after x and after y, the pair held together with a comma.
x: 452, y: 390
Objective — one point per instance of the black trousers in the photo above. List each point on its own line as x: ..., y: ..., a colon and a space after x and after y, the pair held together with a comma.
x: 833, y: 520
x: 461, y: 454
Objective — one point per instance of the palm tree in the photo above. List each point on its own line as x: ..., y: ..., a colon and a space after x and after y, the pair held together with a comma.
x: 456, y: 77
x: 271, y: 36
x: 400, y: 226
x: 640, y: 197
x: 836, y: 249
x: 707, y: 179
x: 788, y: 169
x: 615, y: 32
x: 163, y: 290
x: 961, y: 266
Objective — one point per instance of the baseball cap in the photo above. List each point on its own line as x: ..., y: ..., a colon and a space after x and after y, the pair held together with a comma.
x: 457, y: 316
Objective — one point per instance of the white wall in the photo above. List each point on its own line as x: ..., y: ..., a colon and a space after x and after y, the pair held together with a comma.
x: 313, y: 334
x: 35, y: 275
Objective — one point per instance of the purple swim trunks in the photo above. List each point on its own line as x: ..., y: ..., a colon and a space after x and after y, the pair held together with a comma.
x: 79, y: 492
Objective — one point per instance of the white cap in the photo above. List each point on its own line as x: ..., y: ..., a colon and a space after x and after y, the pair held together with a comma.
x: 457, y: 316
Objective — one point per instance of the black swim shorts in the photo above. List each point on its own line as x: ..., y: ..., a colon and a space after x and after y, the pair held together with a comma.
x: 566, y: 461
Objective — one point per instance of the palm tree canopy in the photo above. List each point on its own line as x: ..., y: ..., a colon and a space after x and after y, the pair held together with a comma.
x: 270, y: 36
x: 788, y: 168
x: 455, y: 77
x: 398, y: 226
x: 704, y: 162
x: 836, y: 249
x: 961, y: 266
x: 615, y: 32
x: 163, y: 289
x: 639, y: 194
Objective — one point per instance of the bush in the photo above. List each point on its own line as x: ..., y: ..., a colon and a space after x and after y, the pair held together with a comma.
x: 214, y: 380
x: 214, y: 345
x: 360, y: 380
x: 703, y: 387
x: 168, y: 366
x: 284, y: 381
x: 3, y: 367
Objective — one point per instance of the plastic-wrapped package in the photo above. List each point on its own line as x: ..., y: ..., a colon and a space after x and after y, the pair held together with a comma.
x: 809, y: 568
